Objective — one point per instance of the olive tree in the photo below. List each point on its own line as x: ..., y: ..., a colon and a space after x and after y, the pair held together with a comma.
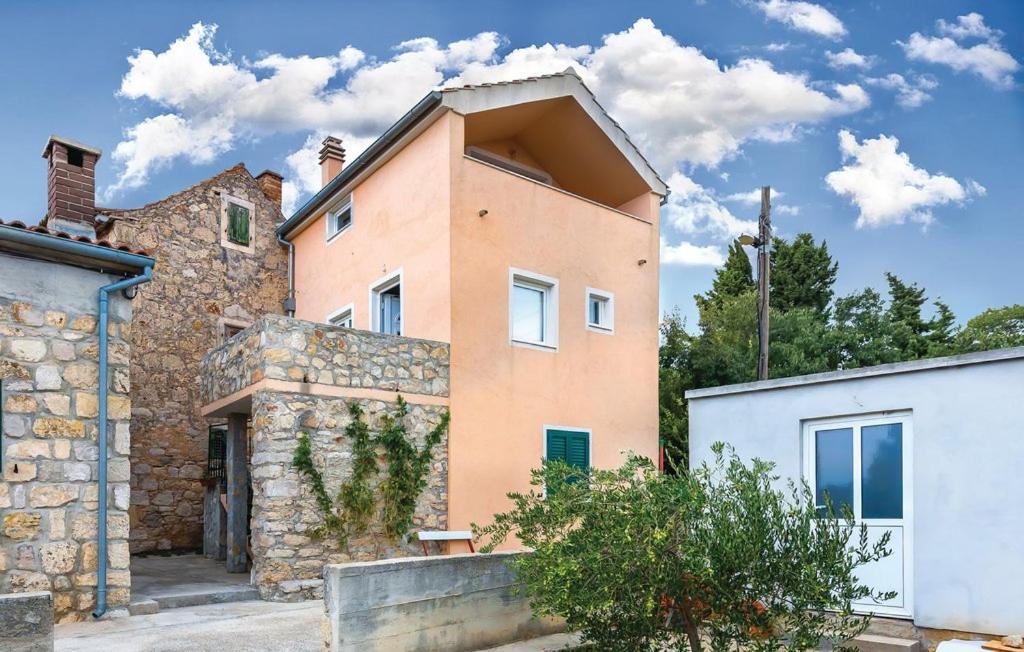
x: 721, y: 557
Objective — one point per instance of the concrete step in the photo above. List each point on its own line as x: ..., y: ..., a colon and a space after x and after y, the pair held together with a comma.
x: 879, y: 643
x: 152, y: 605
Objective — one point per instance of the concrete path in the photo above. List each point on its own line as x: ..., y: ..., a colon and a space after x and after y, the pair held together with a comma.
x: 252, y: 626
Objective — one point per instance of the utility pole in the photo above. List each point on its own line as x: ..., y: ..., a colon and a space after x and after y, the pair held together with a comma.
x: 764, y: 239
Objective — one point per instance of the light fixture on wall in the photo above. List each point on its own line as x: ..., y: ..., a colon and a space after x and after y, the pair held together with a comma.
x: 482, y: 212
x: 641, y: 262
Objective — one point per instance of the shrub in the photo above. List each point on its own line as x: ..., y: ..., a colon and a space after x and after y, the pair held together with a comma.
x: 637, y: 560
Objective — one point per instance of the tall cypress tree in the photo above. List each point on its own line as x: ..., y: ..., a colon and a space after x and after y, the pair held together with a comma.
x: 732, y: 279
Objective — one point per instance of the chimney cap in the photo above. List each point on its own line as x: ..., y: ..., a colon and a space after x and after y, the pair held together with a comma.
x: 68, y: 142
x: 332, y: 149
x: 271, y: 173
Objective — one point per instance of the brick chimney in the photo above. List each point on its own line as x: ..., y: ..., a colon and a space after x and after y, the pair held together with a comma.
x: 71, y: 186
x: 332, y: 159
x: 270, y: 183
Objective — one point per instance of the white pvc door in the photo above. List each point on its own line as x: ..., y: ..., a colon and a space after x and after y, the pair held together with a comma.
x: 865, y: 463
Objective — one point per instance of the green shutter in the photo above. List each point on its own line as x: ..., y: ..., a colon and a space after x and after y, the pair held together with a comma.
x: 569, y: 446
x: 238, y: 224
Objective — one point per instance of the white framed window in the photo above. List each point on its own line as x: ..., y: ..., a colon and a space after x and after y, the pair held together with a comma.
x: 339, y: 218
x: 387, y: 306
x: 532, y: 309
x: 343, y: 317
x: 600, y: 311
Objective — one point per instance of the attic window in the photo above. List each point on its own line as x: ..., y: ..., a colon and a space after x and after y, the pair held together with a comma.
x: 238, y: 224
x: 76, y: 157
x: 237, y: 219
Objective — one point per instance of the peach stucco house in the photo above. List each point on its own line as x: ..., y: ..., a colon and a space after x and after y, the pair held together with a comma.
x: 517, y: 222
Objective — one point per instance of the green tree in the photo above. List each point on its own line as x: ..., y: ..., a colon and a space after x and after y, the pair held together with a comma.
x: 907, y: 327
x: 636, y: 560
x: 802, y: 274
x: 993, y: 329
x: 733, y: 278
x: 859, y: 336
x: 674, y: 378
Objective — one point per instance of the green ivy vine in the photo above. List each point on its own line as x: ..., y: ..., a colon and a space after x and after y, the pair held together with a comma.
x: 350, y: 513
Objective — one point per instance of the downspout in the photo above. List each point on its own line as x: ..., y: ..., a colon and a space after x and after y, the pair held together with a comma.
x: 289, y: 301
x: 101, y: 528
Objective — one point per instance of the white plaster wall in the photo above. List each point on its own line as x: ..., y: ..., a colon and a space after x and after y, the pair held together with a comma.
x: 968, y: 460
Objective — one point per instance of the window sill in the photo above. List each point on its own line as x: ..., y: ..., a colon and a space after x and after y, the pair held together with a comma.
x: 334, y: 236
x: 600, y: 329
x: 539, y: 346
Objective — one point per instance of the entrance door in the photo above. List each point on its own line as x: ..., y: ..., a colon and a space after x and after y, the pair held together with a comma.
x: 866, y: 463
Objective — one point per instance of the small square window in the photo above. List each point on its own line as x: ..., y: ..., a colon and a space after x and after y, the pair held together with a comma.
x: 229, y: 328
x: 600, y: 311
x: 339, y: 218
x: 533, y: 309
x: 341, y: 318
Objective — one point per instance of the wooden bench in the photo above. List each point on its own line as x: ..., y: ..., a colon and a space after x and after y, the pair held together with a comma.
x: 445, y: 535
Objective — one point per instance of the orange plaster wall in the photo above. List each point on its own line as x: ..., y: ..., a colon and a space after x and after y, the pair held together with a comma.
x: 400, y: 220
x: 503, y: 395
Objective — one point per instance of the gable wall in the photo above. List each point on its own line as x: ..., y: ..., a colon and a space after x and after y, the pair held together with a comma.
x: 197, y: 283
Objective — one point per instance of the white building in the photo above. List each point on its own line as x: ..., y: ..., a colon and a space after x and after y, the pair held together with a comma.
x: 931, y: 450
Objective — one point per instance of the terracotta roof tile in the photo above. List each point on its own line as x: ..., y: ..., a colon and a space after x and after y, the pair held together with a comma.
x: 17, y: 224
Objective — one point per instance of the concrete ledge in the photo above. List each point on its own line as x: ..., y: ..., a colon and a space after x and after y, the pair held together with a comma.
x: 876, y: 643
x: 26, y: 622
x: 455, y: 603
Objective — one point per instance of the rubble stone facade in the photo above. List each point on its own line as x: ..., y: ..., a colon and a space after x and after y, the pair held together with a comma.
x: 204, y: 287
x: 48, y: 494
x: 299, y: 377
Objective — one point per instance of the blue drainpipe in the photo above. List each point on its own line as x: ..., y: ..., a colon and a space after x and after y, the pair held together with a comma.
x: 101, y: 531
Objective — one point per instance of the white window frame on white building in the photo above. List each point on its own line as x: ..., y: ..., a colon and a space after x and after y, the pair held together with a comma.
x: 333, y: 215
x: 344, y: 317
x: 548, y: 287
x: 379, y: 287
x: 606, y: 311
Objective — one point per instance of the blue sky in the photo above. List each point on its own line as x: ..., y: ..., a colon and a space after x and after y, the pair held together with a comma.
x: 904, y: 152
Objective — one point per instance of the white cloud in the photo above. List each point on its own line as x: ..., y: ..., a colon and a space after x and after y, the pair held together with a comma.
x: 693, y: 209
x: 777, y: 47
x: 910, y: 94
x: 849, y: 58
x: 988, y: 60
x: 687, y: 254
x: 887, y: 188
x: 681, y: 107
x: 804, y: 16
x: 971, y: 25
x: 752, y: 198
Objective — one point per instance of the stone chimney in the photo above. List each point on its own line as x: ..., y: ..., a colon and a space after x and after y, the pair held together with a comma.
x: 270, y: 183
x: 332, y: 159
x: 71, y: 186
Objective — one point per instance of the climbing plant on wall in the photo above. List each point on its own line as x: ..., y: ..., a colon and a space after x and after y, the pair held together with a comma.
x: 350, y: 513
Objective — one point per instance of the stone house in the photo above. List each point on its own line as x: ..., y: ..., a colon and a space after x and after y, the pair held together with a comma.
x: 211, y: 283
x: 52, y: 443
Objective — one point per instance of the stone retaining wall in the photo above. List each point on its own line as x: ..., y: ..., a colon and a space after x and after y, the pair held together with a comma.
x: 453, y: 603
x: 49, y: 372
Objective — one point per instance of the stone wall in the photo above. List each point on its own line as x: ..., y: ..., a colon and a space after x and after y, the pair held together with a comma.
x: 26, y: 622
x: 281, y: 348
x: 319, y: 370
x: 287, y: 561
x: 453, y: 603
x: 48, y: 497
x: 199, y: 285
